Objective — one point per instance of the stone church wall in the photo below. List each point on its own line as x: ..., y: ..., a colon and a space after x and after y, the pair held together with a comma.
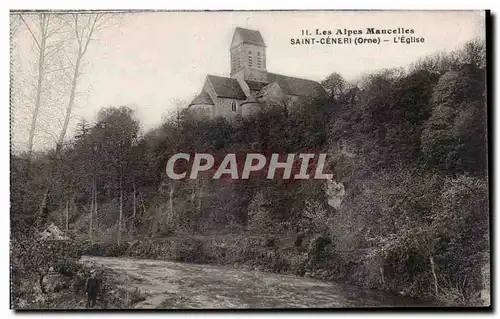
x: 224, y: 108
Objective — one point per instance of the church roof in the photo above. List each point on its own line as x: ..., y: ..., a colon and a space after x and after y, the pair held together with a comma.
x: 227, y: 87
x: 202, y: 98
x: 242, y: 35
x: 250, y: 99
x: 256, y: 85
x: 296, y: 86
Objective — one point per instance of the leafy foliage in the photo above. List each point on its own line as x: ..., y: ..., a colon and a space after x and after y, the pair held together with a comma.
x: 408, y: 211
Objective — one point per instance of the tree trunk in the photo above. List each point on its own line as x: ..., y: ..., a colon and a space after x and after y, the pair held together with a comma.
x: 71, y: 207
x: 194, y: 192
x: 67, y: 215
x: 83, y: 43
x: 134, y: 200
x: 39, y: 85
x: 95, y: 202
x: 382, y: 277
x: 144, y: 212
x: 71, y: 102
x: 155, y: 220
x: 40, y: 217
x: 119, y: 235
x: 200, y: 195
x: 433, y: 269
x: 171, y: 202
x: 91, y: 212
x: 134, y: 205
x: 42, y: 286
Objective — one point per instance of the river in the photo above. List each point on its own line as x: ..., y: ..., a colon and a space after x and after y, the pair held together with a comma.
x: 173, y: 285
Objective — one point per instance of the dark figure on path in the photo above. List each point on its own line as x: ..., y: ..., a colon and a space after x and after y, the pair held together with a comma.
x: 92, y: 289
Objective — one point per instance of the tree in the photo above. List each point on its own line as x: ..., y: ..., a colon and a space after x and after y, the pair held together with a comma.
x: 334, y: 85
x: 58, y: 61
x: 33, y: 257
x: 45, y: 30
x: 116, y: 134
x: 461, y: 219
x: 84, y: 28
x: 454, y: 136
x: 473, y: 53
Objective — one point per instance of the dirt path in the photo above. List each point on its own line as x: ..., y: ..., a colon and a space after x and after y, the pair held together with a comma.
x: 170, y: 285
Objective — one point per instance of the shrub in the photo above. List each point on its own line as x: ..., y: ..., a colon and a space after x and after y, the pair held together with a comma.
x: 136, y: 296
x: 187, y: 250
x: 68, y: 268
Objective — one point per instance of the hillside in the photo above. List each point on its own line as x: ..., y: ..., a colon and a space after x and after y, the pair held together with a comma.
x: 407, y: 211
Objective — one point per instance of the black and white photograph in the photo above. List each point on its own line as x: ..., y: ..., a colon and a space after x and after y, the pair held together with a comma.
x: 229, y: 160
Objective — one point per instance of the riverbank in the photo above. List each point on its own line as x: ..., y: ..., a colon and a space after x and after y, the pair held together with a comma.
x: 65, y: 290
x: 311, y: 259
x: 175, y: 285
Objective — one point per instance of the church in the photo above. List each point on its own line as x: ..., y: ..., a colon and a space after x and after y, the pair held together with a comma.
x: 250, y: 85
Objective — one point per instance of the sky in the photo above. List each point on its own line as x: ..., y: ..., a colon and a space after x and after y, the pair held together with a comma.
x: 149, y: 60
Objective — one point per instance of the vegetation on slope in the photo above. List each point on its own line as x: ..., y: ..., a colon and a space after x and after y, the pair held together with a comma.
x: 408, y: 211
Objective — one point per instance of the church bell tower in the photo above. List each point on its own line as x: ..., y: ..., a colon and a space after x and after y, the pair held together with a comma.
x: 248, y: 56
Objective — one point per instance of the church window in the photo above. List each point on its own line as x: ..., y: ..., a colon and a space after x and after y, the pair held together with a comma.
x: 259, y: 60
x: 234, y: 61
x: 233, y: 106
x: 250, y: 61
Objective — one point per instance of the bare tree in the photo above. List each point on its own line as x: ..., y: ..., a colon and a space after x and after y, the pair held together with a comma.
x: 66, y: 216
x: 84, y: 27
x: 45, y: 31
x: 95, y: 202
x: 62, y: 43
x: 120, y: 216
x: 91, y: 212
x: 59, y: 46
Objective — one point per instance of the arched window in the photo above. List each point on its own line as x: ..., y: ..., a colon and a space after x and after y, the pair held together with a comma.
x: 233, y: 106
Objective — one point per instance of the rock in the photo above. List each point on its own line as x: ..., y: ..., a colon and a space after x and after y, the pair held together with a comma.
x: 335, y: 193
x: 52, y: 233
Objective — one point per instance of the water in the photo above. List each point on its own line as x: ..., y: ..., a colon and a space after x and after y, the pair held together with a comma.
x: 172, y: 285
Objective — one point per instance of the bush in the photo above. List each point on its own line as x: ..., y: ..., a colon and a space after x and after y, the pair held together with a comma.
x: 33, y: 260
x: 136, y: 296
x: 95, y: 250
x: 68, y: 268
x: 117, y: 250
x: 188, y: 250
